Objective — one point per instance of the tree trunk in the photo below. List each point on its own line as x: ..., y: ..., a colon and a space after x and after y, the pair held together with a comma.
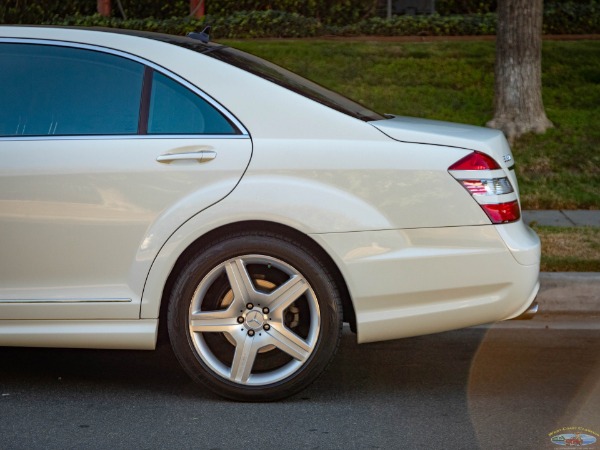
x: 197, y: 9
x: 518, y: 106
x: 104, y: 7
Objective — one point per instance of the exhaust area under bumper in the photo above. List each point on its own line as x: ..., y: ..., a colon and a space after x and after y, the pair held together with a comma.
x: 529, y: 312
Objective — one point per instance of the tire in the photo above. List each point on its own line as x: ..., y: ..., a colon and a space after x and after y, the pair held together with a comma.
x: 254, y: 317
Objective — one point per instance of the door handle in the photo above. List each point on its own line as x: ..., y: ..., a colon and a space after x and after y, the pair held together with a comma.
x: 200, y: 157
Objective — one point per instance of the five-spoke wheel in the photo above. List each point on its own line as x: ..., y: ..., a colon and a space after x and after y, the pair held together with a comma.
x: 255, y: 317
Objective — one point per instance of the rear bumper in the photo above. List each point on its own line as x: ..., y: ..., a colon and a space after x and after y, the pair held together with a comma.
x: 525, y: 247
x: 412, y: 282
x: 529, y: 311
x: 521, y: 241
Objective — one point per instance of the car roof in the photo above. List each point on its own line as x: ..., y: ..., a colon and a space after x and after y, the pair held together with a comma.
x: 181, y: 41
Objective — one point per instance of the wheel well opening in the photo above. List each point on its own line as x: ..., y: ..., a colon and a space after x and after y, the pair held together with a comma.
x: 349, y: 315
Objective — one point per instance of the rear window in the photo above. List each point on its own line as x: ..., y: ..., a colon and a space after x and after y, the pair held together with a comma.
x: 293, y: 82
x: 174, y: 109
x: 271, y: 72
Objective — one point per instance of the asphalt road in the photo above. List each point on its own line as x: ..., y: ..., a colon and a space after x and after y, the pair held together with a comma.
x: 496, y: 388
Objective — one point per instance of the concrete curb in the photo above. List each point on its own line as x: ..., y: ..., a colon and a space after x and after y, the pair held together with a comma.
x: 569, y: 292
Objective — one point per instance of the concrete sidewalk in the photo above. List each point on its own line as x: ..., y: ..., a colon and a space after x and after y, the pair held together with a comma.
x: 563, y: 217
x: 567, y: 292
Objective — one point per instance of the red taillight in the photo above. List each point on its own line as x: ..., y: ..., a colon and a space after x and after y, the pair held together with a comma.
x: 489, y: 186
x: 475, y: 161
x: 503, y: 212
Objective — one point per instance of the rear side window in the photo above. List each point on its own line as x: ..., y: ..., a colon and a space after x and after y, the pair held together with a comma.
x: 52, y: 90
x: 174, y: 109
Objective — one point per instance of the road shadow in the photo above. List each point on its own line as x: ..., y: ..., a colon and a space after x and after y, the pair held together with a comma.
x: 427, y: 364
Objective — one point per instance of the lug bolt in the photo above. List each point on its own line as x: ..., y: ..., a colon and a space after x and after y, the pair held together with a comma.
x: 250, y: 333
x: 240, y: 319
x: 266, y: 327
x: 249, y: 306
x: 265, y: 310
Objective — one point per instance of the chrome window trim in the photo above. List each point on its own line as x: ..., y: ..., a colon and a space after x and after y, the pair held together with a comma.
x: 118, y: 137
x: 67, y: 300
x: 132, y: 57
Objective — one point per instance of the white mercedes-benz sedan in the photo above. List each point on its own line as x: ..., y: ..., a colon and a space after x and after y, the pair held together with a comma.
x: 149, y: 178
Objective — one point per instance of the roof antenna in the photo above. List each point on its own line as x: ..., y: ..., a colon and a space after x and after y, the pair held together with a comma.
x: 202, y: 36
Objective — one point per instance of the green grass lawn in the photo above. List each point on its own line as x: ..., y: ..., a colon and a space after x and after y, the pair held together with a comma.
x: 569, y: 249
x: 454, y: 81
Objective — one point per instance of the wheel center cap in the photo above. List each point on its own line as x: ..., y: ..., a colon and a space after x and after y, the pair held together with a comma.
x: 254, y: 320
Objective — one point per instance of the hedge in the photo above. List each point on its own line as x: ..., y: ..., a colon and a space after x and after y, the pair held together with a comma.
x: 335, y: 12
x: 328, y: 12
x: 572, y: 17
x: 253, y: 24
x: 432, y: 25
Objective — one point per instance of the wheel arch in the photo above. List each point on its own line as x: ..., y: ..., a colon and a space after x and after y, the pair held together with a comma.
x: 349, y: 314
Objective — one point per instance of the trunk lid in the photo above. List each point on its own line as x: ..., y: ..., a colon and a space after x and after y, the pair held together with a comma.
x: 436, y: 132
x: 469, y: 137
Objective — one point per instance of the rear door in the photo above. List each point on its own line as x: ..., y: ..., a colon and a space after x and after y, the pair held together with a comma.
x: 103, y: 156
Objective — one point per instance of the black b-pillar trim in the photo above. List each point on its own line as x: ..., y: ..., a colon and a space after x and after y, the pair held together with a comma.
x: 145, y: 101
